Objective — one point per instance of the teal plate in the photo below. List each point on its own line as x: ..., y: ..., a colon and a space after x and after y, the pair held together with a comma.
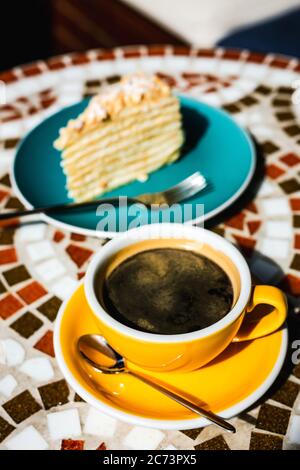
x: 214, y: 145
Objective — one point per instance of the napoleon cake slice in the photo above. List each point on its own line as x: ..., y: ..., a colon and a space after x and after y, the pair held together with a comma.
x: 128, y: 130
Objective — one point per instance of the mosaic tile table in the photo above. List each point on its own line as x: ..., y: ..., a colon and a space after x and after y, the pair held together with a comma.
x: 41, y: 264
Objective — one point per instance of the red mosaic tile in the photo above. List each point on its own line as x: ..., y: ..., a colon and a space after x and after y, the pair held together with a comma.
x: 106, y: 55
x: 256, y: 57
x: 274, y: 171
x: 7, y: 107
x: 156, y: 50
x: 253, y: 226
x: 295, y: 204
x: 32, y: 292
x: 206, y: 53
x: 8, y: 255
x: 233, y: 54
x: 132, y: 53
x: 48, y: 102
x: 252, y: 207
x: 297, y: 68
x: 167, y: 78
x: 12, y: 117
x: 237, y: 221
x: 58, y: 236
x: 291, y: 284
x: 246, y: 245
x: 290, y: 159
x: 102, y: 446
x: 77, y: 237
x: 8, y: 77
x: 32, y: 110
x: 212, y: 89
x: 9, y: 305
x: 79, y: 59
x: 56, y: 64
x: 80, y: 275
x: 46, y: 92
x: 22, y: 99
x: 280, y: 62
x: 78, y: 254
x: 45, y: 344
x: 3, y: 195
x: 10, y: 223
x: 181, y: 50
x: 31, y: 70
x: 297, y: 241
x: 70, y: 444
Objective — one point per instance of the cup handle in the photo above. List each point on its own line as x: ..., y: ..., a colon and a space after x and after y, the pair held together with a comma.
x: 252, y: 327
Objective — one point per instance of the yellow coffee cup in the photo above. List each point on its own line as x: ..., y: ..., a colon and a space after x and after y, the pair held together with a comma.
x: 186, y: 351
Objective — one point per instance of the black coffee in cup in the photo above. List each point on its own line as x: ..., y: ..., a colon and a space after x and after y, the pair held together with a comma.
x: 167, y: 291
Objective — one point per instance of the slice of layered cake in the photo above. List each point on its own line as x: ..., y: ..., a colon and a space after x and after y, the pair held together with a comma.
x: 128, y: 130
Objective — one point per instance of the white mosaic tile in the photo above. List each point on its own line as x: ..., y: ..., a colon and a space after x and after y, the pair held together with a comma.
x: 32, y: 232
x: 28, y: 439
x: 64, y: 424
x: 99, y: 424
x: 64, y: 287
x: 170, y: 447
x: 278, y: 229
x: 8, y: 385
x: 274, y: 248
x: 40, y: 250
x: 50, y: 270
x: 38, y: 368
x: 266, y: 189
x: 12, y: 352
x: 143, y: 438
x: 293, y: 433
x: 275, y: 206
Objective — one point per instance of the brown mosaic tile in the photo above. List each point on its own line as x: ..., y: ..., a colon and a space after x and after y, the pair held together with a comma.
x: 231, y: 108
x: 56, y: 64
x: 192, y: 433
x: 9, y: 305
x: 50, y: 308
x: 31, y: 70
x: 285, y: 90
x: 296, y: 221
x: 296, y: 371
x: 80, y: 275
x: 5, y: 180
x: 11, y: 143
x: 58, y: 236
x: 273, y: 419
x: 217, y: 443
x: 5, y: 429
x: 8, y: 256
x: 2, y: 288
x: 8, y: 77
x: 21, y: 407
x: 7, y: 236
x: 279, y: 62
x: 93, y: 83
x: 206, y: 52
x: 293, y: 130
x: 261, y: 441
x: 78, y: 399
x: 263, y: 90
x: 78, y: 254
x: 255, y: 57
x: 290, y: 159
x: 233, y: 54
x: 106, y: 55
x: 113, y: 79
x: 273, y: 171
x: 45, y: 344
x: 102, y: 446
x: 284, y: 116
x: 27, y: 325
x: 14, y: 203
x: 79, y: 59
x: 237, y: 221
x: 252, y: 208
x: 70, y: 444
x: 295, y: 264
x: 279, y: 103
x: 32, y: 292
x: 54, y: 394
x: 268, y: 147
x: 15, y: 275
x: 290, y: 186
x: 249, y: 100
x: 287, y: 394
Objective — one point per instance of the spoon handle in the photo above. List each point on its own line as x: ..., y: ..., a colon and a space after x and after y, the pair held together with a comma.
x: 186, y: 403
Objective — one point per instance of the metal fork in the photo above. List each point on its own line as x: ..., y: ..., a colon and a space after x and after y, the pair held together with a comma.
x: 181, y: 191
